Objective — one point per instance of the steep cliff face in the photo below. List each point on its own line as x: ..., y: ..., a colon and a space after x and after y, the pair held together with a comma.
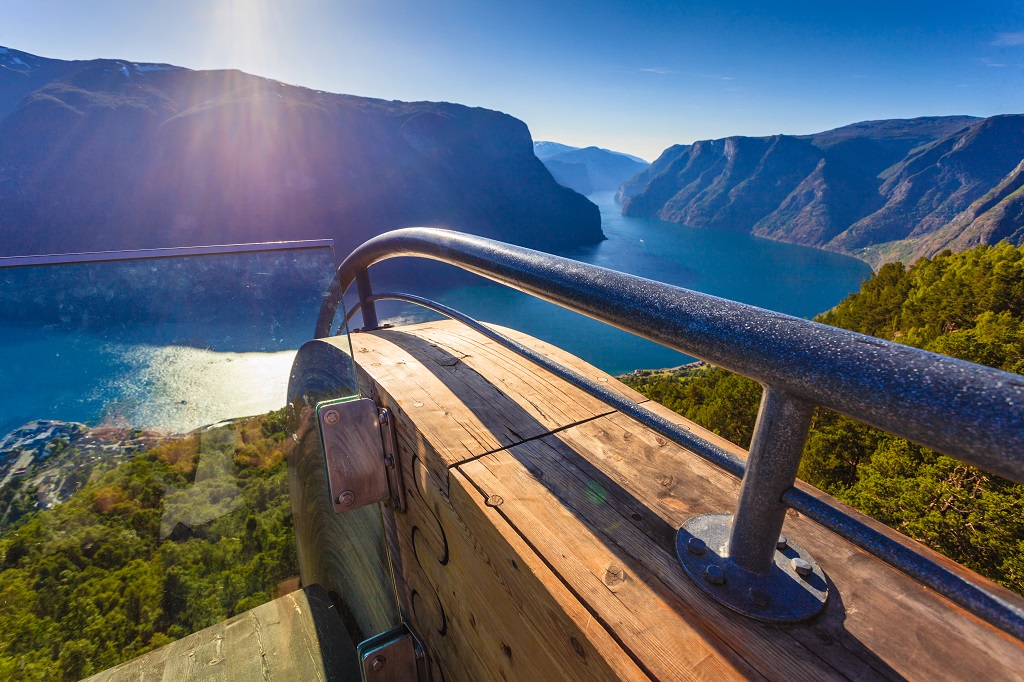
x: 998, y: 215
x: 108, y: 154
x: 727, y: 184
x: 634, y: 185
x: 879, y: 189
x: 831, y: 197
x: 927, y: 189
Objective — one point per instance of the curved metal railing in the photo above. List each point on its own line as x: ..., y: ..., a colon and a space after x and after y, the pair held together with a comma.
x: 968, y: 411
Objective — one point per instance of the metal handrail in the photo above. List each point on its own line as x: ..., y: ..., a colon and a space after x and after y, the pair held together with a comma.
x: 969, y: 411
x: 168, y: 252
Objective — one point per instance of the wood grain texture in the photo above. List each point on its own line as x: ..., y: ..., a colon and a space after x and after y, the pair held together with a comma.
x: 537, y: 517
x: 441, y: 368
x: 486, y: 606
x: 294, y: 637
x: 869, y: 595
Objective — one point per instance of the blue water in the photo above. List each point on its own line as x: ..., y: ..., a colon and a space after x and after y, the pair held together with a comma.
x: 783, y: 277
x: 182, y: 375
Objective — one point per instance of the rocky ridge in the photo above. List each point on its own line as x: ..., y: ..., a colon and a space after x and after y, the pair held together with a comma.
x: 880, y: 190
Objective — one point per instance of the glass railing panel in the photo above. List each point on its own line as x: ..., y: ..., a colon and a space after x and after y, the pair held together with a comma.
x: 169, y: 343
x: 144, y: 491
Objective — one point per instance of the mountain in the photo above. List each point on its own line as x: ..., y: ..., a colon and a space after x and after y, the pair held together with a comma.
x: 636, y: 184
x: 881, y: 190
x: 109, y: 154
x: 590, y: 169
x: 545, y: 150
x: 929, y: 188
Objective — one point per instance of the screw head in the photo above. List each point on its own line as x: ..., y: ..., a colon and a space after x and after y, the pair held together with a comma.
x: 384, y: 417
x: 782, y: 543
x: 614, y: 576
x: 346, y: 498
x: 802, y: 567
x: 759, y: 597
x: 714, y: 574
x: 377, y: 664
x: 389, y: 462
x: 495, y: 501
x: 331, y: 416
x: 696, y: 546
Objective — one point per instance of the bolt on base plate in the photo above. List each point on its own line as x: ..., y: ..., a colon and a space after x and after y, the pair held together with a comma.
x: 782, y: 595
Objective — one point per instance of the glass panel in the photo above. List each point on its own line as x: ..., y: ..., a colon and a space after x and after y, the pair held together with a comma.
x: 169, y: 343
x: 143, y: 436
x: 347, y: 554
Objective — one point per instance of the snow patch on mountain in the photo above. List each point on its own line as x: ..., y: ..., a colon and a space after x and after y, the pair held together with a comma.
x: 141, y: 68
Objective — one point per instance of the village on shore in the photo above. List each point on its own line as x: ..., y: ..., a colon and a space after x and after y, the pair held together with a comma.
x: 51, y: 459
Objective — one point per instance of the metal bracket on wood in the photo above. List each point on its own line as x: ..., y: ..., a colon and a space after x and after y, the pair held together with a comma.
x: 742, y: 559
x: 394, y: 656
x: 360, y: 454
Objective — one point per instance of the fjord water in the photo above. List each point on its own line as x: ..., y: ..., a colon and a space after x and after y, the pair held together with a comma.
x: 786, y: 278
x: 171, y: 343
x: 180, y: 372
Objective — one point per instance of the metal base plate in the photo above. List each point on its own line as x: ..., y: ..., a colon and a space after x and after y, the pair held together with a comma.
x: 779, y: 596
x: 391, y: 656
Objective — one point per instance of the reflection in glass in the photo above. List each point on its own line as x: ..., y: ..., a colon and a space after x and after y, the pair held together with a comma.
x: 143, y: 479
x: 170, y: 343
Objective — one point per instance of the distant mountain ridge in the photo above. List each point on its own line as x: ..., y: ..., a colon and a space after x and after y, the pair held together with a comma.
x: 881, y: 190
x: 588, y: 169
x: 110, y: 154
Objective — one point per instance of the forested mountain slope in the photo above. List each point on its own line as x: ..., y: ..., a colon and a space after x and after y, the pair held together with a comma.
x: 968, y: 305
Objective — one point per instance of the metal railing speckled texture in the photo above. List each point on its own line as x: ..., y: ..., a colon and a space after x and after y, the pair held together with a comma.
x: 968, y: 411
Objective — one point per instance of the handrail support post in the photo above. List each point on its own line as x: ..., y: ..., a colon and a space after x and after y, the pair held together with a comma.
x: 741, y: 559
x: 780, y: 432
x: 367, y: 307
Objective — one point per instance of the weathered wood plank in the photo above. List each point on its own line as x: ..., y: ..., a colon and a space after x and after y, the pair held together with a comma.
x: 443, y: 368
x: 294, y: 637
x: 579, y: 541
x: 590, y: 501
x: 583, y: 523
x: 871, y: 596
x: 484, y: 603
x: 468, y: 339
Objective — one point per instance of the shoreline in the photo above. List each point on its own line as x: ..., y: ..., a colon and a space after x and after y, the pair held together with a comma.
x: 641, y: 371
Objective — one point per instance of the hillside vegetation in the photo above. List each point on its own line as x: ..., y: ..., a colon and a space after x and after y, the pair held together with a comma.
x: 969, y: 306
x: 170, y: 542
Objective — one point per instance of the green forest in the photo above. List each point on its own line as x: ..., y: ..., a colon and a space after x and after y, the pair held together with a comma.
x: 172, y: 541
x: 968, y: 305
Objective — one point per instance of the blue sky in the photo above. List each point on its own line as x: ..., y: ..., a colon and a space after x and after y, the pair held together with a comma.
x: 633, y: 76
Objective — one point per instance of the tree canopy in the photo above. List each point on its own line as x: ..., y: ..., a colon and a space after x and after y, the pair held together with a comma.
x: 172, y: 541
